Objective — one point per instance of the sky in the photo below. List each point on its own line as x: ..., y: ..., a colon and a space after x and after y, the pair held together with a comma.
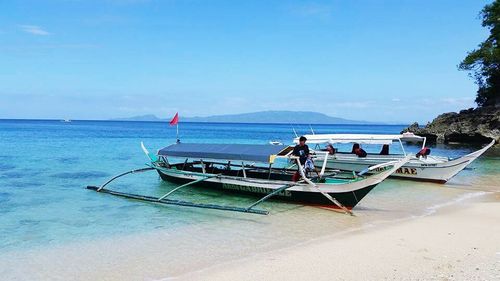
x: 392, y: 61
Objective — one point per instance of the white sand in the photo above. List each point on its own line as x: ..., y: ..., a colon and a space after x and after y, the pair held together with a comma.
x: 459, y: 244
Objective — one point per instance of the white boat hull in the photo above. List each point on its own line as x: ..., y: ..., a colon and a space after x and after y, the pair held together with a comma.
x: 435, y: 169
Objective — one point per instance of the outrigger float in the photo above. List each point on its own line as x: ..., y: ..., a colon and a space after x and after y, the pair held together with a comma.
x: 245, y: 168
x: 423, y: 168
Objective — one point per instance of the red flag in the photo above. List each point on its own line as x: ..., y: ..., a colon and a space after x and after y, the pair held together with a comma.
x: 175, y: 120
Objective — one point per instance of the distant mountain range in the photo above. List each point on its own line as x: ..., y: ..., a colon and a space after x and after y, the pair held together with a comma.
x: 286, y: 117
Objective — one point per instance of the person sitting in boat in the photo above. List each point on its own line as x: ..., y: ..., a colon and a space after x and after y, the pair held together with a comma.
x: 309, y: 167
x: 354, y: 147
x: 385, y: 150
x: 423, y: 152
x: 330, y: 149
x: 360, y: 152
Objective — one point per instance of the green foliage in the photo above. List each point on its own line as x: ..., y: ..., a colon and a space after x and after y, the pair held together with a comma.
x: 484, y: 62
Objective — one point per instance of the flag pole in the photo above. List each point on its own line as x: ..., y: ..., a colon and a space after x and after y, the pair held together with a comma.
x: 175, y: 121
x: 178, y: 140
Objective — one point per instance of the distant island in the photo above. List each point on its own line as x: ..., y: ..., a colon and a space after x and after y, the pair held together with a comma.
x: 279, y: 117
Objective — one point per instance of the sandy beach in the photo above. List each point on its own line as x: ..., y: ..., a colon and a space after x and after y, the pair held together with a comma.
x: 460, y: 242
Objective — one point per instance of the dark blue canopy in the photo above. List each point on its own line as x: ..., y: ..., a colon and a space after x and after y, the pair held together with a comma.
x: 241, y: 152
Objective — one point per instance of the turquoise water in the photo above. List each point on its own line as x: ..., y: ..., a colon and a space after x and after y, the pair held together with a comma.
x: 45, y: 166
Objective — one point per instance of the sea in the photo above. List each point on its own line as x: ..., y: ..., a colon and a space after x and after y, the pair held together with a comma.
x: 45, y: 166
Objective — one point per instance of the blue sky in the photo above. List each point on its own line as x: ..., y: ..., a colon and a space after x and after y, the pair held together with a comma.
x: 388, y: 61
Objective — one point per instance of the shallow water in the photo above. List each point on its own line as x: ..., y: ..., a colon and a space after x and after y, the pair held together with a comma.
x: 45, y: 165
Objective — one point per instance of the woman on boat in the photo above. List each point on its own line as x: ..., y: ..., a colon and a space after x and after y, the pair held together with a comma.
x: 423, y: 153
x: 360, y: 152
x: 330, y: 149
x: 354, y: 147
x: 385, y: 150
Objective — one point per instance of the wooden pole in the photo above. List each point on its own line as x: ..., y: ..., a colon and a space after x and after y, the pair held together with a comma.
x: 243, y: 168
x: 179, y: 203
x: 324, y: 166
x: 328, y: 196
x: 177, y: 135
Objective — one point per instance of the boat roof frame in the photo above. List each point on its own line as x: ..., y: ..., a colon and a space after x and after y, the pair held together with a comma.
x: 262, y: 153
x: 363, y: 139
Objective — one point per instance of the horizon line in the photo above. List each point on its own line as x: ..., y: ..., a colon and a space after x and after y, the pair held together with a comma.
x: 204, y: 122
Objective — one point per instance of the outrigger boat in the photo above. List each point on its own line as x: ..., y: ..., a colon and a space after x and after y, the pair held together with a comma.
x: 246, y: 168
x: 423, y: 168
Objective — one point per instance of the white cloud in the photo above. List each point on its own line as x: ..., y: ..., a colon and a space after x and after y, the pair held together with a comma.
x: 469, y: 101
x: 34, y: 29
x: 396, y: 100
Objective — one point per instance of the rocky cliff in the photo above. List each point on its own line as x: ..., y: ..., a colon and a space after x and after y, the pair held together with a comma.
x: 479, y: 125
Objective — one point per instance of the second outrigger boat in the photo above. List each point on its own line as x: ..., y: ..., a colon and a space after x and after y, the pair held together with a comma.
x: 247, y: 168
x: 424, y: 168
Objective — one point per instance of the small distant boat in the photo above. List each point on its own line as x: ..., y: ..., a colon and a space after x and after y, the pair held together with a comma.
x: 245, y: 168
x: 275, y: 142
x: 423, y: 168
x: 66, y: 121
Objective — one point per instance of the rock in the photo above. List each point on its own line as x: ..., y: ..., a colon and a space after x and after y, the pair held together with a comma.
x: 479, y: 125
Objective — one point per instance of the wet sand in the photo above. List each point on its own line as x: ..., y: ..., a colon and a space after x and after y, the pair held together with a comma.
x: 460, y: 242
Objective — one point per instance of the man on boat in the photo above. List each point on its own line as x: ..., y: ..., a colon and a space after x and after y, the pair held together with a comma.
x: 301, y: 150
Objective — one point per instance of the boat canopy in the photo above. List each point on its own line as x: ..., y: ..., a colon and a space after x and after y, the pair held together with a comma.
x: 237, y: 152
x: 360, y: 138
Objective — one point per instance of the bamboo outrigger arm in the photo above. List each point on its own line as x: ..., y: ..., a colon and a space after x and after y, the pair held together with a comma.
x: 123, y: 174
x: 179, y: 202
x: 163, y: 200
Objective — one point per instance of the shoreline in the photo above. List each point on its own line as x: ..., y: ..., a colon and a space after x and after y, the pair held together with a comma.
x: 208, y: 122
x: 451, y: 243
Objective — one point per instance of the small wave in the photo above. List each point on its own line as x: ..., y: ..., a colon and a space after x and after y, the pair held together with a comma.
x: 97, y: 208
x: 6, y: 167
x: 432, y: 209
x: 80, y: 175
x: 122, y: 157
x: 13, y: 175
x: 26, y: 184
x: 29, y: 222
x: 69, y: 160
x: 4, y: 197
